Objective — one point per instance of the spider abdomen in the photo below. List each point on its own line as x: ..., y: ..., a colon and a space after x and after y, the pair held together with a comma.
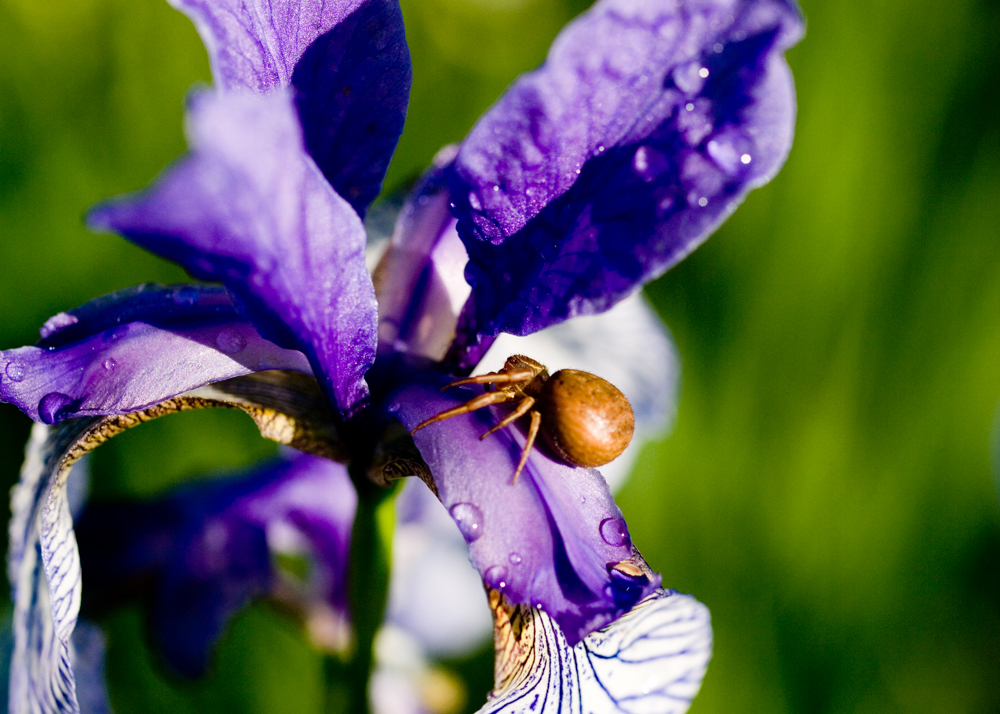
x: 585, y: 419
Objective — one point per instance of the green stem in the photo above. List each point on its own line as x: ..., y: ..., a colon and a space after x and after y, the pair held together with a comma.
x: 371, y: 548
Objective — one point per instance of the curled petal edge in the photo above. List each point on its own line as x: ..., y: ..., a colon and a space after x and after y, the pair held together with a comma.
x: 653, y: 658
x: 43, y: 563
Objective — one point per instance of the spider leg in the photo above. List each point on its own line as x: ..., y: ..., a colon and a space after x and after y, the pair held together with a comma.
x: 472, y: 405
x: 536, y: 422
x: 493, y: 378
x: 522, y: 409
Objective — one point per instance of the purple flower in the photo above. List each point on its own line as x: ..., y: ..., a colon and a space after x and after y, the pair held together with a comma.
x: 646, y: 126
x: 206, y: 549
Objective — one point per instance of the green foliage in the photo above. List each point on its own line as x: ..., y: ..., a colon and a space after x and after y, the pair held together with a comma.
x: 828, y: 489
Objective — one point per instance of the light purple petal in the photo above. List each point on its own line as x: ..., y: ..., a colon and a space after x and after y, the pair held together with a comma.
x: 419, y: 281
x: 651, y: 661
x: 435, y: 595
x: 88, y: 648
x: 249, y: 208
x: 133, y: 349
x: 549, y: 540
x: 352, y: 88
x: 255, y: 44
x: 647, y: 125
x: 43, y: 566
x: 211, y: 547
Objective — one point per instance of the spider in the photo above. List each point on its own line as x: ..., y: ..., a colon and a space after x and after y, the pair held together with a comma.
x: 585, y: 419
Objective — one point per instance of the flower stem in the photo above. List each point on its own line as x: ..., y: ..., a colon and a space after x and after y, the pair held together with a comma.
x: 371, y: 549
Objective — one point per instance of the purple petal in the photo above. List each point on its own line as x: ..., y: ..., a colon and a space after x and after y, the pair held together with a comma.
x: 648, y: 124
x: 135, y: 348
x: 550, y: 540
x: 435, y: 595
x: 419, y: 280
x: 249, y: 208
x: 353, y: 86
x: 88, y: 668
x: 211, y: 547
x: 43, y: 567
x: 255, y: 44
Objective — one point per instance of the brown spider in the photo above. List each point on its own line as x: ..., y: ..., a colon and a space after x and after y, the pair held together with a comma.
x: 586, y: 420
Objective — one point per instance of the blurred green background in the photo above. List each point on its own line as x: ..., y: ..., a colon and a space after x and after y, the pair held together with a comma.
x: 828, y: 490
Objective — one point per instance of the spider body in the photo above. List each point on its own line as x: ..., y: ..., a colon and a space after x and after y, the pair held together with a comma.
x: 585, y: 419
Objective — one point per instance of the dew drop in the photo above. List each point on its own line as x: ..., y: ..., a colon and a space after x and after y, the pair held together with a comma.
x: 15, y: 371
x: 703, y: 72
x: 514, y: 559
x: 187, y: 295
x: 702, y: 201
x: 474, y: 201
x: 745, y: 159
x: 115, y: 334
x: 689, y: 106
x: 51, y: 405
x: 614, y: 531
x: 229, y: 341
x: 496, y: 577
x: 496, y: 187
x: 469, y: 519
x: 717, y: 48
x: 110, y: 364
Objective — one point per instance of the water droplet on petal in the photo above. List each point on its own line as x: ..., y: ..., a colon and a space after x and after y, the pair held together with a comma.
x: 689, y: 106
x: 474, y: 201
x: 614, y: 531
x: 746, y: 158
x: 110, y: 363
x: 187, y: 295
x: 514, y: 559
x: 703, y: 72
x: 469, y: 519
x: 717, y: 48
x: 15, y: 371
x: 51, y: 406
x: 496, y: 187
x: 702, y: 201
x: 229, y: 341
x: 496, y: 577
x: 115, y: 334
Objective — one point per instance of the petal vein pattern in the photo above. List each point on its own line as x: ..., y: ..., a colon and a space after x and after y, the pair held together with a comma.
x: 255, y: 44
x: 44, y: 570
x: 650, y: 661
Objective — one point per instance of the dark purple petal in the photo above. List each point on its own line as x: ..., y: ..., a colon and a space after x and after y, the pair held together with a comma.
x: 550, y: 540
x: 210, y: 548
x: 646, y: 127
x: 353, y: 86
x: 133, y: 349
x: 255, y: 44
x: 419, y: 280
x: 249, y: 208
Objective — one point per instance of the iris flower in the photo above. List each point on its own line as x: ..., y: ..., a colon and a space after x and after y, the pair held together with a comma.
x: 645, y: 127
